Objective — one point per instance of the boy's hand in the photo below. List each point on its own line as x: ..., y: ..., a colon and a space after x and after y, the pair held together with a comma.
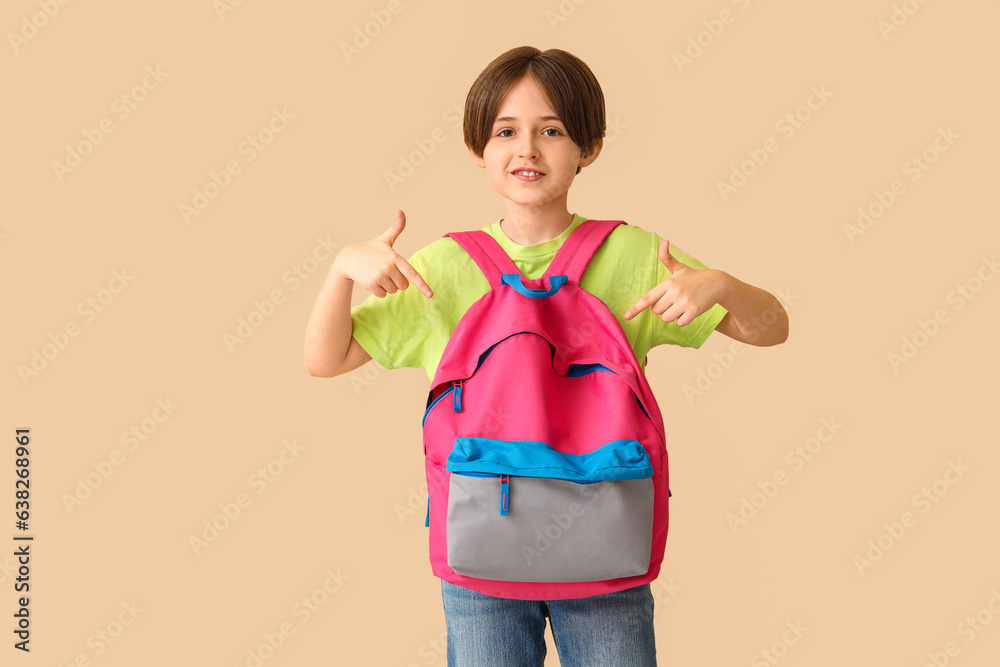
x: 685, y: 295
x: 377, y: 267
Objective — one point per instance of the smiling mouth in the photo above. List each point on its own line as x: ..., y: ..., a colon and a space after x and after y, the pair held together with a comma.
x: 528, y: 174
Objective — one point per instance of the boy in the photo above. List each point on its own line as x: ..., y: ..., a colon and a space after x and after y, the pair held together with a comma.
x: 533, y: 120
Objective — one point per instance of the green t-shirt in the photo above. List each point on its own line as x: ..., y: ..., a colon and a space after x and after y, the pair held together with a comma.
x: 406, y: 329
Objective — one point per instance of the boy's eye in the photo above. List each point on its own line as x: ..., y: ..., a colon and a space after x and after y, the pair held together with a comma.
x: 507, y: 129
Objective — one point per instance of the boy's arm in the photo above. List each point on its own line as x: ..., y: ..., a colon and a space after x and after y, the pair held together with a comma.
x: 330, y: 347
x: 747, y: 320
x: 330, y: 328
x: 689, y: 292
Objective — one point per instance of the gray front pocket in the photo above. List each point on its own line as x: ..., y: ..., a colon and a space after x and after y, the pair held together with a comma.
x: 554, y: 529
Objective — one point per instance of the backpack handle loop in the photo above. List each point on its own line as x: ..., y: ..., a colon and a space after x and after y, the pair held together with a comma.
x: 514, y: 280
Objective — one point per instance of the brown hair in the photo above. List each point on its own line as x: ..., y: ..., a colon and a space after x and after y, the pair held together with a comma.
x: 569, y: 84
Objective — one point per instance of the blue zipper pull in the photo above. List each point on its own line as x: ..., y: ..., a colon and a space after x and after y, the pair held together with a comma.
x: 456, y: 396
x: 504, y: 495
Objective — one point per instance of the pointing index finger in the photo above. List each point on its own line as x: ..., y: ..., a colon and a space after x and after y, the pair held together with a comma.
x: 646, y: 300
x: 412, y: 274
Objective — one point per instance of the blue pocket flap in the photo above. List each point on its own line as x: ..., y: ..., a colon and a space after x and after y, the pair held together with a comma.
x: 619, y: 459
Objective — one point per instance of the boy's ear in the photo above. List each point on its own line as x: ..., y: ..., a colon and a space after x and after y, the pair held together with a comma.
x: 586, y: 160
x: 478, y: 160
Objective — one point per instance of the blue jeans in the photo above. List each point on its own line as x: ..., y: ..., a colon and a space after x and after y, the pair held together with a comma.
x: 610, y: 630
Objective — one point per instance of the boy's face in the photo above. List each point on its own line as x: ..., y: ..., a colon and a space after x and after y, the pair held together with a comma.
x: 526, y: 135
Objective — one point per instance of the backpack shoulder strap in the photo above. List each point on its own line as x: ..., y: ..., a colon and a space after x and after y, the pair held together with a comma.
x: 571, y: 260
x: 487, y: 253
x: 578, y: 249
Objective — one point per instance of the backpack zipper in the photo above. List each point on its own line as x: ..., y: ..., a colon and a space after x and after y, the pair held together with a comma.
x: 437, y: 400
x: 504, y: 491
x: 580, y: 369
x: 504, y: 495
x: 457, y: 386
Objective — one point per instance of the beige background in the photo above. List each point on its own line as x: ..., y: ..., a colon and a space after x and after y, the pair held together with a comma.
x: 341, y: 504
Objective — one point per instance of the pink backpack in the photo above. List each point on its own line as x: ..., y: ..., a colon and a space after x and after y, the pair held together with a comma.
x: 545, y: 454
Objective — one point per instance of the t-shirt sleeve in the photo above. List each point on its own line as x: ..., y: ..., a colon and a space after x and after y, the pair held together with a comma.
x: 394, y: 329
x: 695, y: 332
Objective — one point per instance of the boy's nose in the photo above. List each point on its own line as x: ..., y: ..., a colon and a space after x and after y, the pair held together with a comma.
x: 528, y: 147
